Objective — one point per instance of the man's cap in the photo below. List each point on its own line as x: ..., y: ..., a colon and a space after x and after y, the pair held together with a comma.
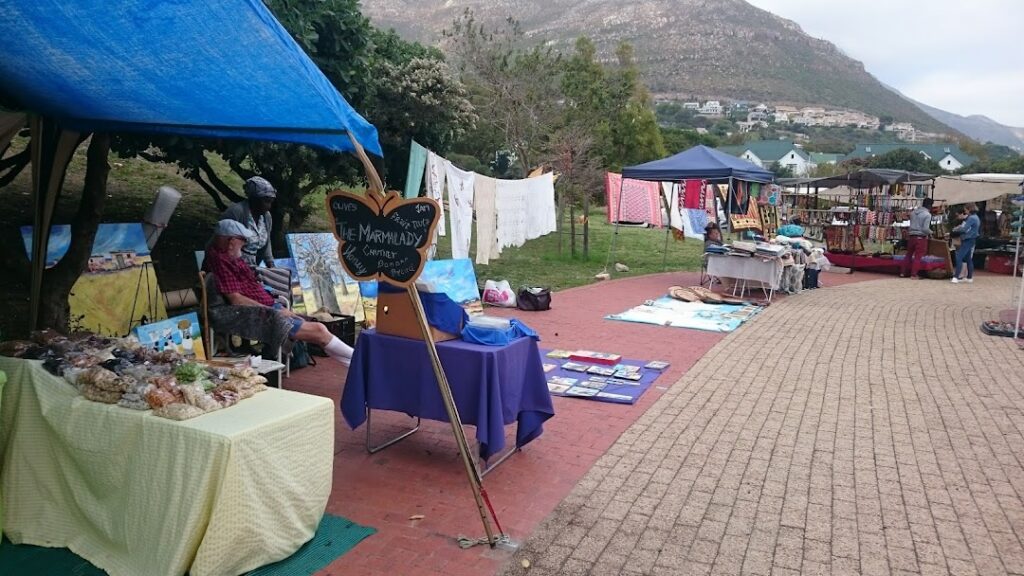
x: 232, y: 228
x: 258, y: 187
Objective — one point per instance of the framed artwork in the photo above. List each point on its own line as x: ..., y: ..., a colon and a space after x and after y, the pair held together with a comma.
x: 181, y: 334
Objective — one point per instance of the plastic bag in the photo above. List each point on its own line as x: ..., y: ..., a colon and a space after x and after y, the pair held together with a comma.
x: 499, y: 294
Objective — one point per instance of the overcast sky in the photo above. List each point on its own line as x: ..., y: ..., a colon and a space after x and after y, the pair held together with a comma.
x: 960, y: 56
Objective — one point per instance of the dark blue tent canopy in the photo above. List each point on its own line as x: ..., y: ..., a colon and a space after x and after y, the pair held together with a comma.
x: 223, y: 69
x: 699, y: 162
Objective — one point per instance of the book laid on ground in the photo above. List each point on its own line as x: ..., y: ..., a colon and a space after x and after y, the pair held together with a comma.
x: 656, y: 365
x: 595, y: 357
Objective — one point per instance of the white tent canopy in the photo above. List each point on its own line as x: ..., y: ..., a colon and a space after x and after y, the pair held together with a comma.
x: 975, y: 187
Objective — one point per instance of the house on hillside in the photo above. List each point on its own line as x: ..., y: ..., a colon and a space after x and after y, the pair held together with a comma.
x: 903, y: 130
x: 771, y: 153
x: 711, y: 108
x: 695, y: 106
x: 821, y: 158
x: 948, y: 155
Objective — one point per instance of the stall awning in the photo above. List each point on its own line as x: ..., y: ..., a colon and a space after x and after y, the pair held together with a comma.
x: 224, y: 69
x: 868, y: 178
x: 698, y: 163
x: 976, y: 187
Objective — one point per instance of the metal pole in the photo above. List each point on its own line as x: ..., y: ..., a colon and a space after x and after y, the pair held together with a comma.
x: 615, y: 234
x: 728, y: 208
x: 472, y: 472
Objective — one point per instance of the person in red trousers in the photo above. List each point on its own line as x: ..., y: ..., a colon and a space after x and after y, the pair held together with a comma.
x: 917, y: 238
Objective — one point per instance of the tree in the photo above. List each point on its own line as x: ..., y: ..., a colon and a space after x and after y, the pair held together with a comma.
x: 635, y: 136
x: 782, y: 170
x: 514, y: 90
x: 570, y: 154
x: 904, y: 159
x: 677, y: 140
x: 55, y: 311
x: 612, y: 104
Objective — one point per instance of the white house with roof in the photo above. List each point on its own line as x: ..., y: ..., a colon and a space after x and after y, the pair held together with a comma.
x: 774, y: 153
x: 691, y: 106
x: 711, y: 108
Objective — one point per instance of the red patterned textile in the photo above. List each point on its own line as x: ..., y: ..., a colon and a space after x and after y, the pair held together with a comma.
x: 641, y: 200
x: 694, y: 195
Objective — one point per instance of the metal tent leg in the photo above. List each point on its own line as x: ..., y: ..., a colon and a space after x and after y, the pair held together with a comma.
x: 374, y: 449
x: 486, y: 466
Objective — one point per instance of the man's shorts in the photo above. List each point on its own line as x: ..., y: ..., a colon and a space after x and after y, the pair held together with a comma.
x: 296, y: 322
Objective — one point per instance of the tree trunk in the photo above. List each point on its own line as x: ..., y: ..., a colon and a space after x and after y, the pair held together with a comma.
x: 572, y: 222
x: 57, y: 281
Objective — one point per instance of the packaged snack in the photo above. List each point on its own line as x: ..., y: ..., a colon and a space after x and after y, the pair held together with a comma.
x: 178, y: 411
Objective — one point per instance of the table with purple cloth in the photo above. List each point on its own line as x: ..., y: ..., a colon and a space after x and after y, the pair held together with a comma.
x: 492, y: 385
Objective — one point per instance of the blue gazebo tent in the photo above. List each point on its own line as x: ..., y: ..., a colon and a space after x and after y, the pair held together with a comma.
x: 697, y: 163
x: 225, y: 69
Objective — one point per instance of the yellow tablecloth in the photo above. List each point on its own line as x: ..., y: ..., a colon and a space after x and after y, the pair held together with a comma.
x: 139, y: 495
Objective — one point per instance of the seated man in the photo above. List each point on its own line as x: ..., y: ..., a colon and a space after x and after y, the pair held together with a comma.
x: 241, y: 306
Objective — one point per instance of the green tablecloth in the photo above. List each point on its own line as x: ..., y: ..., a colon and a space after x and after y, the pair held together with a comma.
x: 134, y: 494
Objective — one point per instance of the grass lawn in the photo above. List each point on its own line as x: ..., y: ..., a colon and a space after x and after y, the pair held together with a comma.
x: 133, y: 182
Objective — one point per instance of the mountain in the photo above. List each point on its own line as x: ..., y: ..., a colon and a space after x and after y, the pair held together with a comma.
x: 981, y: 128
x: 686, y: 48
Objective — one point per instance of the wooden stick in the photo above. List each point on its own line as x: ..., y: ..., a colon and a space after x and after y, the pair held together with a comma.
x: 472, y: 472
x: 371, y: 173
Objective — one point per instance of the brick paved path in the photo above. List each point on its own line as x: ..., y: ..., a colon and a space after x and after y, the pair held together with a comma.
x: 864, y: 429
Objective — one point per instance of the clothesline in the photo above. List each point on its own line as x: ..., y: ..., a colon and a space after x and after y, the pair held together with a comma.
x: 507, y: 212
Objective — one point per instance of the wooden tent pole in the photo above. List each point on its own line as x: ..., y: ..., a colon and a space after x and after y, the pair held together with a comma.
x: 472, y: 472
x: 371, y: 172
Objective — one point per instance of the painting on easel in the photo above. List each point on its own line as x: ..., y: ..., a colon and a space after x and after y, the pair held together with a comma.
x: 118, y: 290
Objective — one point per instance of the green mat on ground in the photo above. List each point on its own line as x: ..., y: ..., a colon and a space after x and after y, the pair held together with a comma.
x: 334, y: 537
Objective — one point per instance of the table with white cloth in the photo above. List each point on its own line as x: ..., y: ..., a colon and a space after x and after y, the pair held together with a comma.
x: 135, y: 494
x: 749, y: 271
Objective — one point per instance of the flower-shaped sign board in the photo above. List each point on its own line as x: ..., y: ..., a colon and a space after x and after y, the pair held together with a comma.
x: 382, y: 237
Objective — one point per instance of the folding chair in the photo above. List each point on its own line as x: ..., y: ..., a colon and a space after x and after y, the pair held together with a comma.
x: 206, y: 285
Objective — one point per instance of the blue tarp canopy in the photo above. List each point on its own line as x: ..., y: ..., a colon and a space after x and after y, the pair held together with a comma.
x: 222, y: 69
x: 698, y: 163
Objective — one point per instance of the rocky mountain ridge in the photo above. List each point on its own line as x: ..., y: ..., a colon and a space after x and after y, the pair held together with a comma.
x: 687, y: 49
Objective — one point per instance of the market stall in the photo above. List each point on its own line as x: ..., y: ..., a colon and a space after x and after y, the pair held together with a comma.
x: 867, y: 221
x: 222, y: 484
x: 997, y: 249
x: 705, y: 182
x: 135, y: 493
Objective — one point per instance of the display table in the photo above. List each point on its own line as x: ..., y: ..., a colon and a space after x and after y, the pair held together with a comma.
x: 134, y: 493
x: 873, y: 263
x: 492, y: 385
x: 766, y: 272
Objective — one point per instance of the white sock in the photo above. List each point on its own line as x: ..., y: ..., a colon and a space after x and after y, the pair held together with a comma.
x: 339, y: 351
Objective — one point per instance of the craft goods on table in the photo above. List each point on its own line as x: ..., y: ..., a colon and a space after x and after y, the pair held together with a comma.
x: 122, y: 372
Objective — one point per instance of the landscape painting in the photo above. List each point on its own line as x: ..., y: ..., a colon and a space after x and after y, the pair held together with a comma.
x: 180, y: 334
x: 457, y: 279
x: 119, y: 289
x: 322, y: 281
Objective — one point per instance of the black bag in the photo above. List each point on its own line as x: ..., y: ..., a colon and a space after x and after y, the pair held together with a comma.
x: 955, y: 233
x: 533, y: 299
x: 300, y: 357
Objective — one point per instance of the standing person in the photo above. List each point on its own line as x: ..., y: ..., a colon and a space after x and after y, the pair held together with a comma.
x: 969, y: 232
x: 254, y: 214
x: 917, y: 238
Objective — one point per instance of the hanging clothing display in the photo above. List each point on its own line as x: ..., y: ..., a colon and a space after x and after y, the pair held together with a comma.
x: 414, y: 174
x: 541, y: 216
x: 460, y: 208
x: 694, y: 194
x: 689, y: 202
x: 510, y: 211
x: 486, y: 218
x: 640, y: 200
x: 436, y: 178
x: 675, y: 217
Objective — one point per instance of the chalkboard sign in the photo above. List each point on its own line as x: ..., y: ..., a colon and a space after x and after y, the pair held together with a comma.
x: 382, y: 237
